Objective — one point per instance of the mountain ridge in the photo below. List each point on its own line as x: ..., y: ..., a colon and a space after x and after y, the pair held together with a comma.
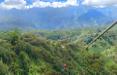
x: 52, y: 18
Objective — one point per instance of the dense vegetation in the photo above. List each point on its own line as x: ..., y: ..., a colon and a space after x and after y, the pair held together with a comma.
x: 47, y: 53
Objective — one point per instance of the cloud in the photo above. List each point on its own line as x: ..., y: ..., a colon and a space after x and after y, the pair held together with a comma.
x: 42, y: 4
x: 100, y: 3
x: 10, y: 4
x: 21, y: 4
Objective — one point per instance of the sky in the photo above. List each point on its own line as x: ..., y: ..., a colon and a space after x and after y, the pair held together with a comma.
x: 28, y: 4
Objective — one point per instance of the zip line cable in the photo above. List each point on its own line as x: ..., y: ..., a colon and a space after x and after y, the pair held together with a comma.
x: 101, y: 34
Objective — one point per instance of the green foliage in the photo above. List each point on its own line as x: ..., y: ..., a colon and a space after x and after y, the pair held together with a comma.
x: 3, y: 68
x: 46, y: 52
x: 24, y: 63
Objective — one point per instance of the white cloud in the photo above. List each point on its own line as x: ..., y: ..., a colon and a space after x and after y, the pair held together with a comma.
x: 54, y: 4
x: 21, y: 4
x: 100, y: 3
x: 9, y: 4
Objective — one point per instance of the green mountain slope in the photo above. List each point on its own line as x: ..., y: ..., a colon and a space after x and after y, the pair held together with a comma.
x: 56, y: 53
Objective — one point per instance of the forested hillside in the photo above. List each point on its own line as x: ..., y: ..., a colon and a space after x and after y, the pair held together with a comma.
x: 58, y: 52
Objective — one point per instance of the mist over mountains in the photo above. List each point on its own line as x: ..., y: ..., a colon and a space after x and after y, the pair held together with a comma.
x: 56, y: 18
